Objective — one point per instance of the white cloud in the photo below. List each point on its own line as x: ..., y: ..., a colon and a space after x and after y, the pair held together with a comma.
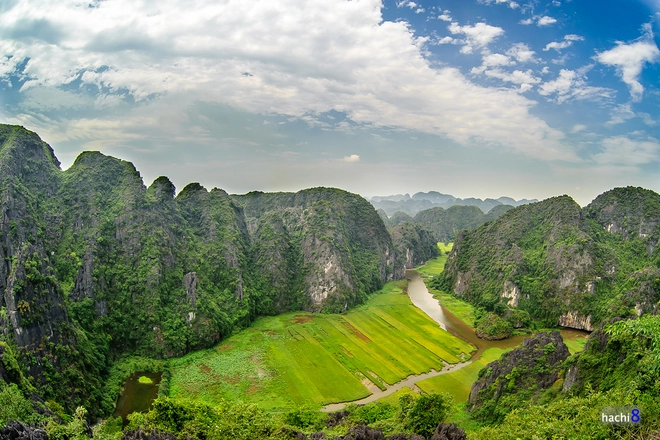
x: 546, y: 21
x: 629, y: 59
x: 526, y: 21
x: 621, y: 150
x: 352, y: 158
x: 516, y: 77
x: 477, y: 36
x: 578, y: 128
x: 621, y: 114
x: 406, y: 3
x: 302, y: 58
x: 492, y: 60
x: 521, y: 52
x: 446, y: 40
x: 571, y: 84
x: 648, y: 119
x: 559, y: 45
x: 509, y: 3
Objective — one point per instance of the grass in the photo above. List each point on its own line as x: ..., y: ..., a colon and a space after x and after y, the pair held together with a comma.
x: 576, y: 345
x: 459, y: 382
x: 459, y: 308
x: 303, y: 358
x: 145, y: 380
x: 435, y: 266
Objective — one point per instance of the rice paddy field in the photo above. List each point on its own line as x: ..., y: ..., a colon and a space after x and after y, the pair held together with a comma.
x: 437, y: 265
x: 303, y: 358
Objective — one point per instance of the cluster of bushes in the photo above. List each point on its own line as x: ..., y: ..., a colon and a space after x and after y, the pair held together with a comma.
x: 185, y: 419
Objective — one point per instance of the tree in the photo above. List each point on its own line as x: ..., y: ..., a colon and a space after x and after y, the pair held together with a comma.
x: 426, y: 412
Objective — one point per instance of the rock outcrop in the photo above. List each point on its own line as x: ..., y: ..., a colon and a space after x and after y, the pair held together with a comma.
x: 523, y: 372
x: 573, y: 319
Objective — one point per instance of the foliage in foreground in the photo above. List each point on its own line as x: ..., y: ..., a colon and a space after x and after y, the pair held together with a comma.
x: 573, y: 418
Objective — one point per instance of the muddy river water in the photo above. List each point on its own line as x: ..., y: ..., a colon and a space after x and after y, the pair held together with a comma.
x: 423, y: 299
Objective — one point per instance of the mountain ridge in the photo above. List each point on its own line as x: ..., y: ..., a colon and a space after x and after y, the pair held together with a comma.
x: 564, y: 264
x: 95, y: 264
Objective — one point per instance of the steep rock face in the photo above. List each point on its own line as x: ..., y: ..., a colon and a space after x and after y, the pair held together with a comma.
x: 629, y: 212
x: 575, y: 320
x: 414, y: 243
x: 517, y: 376
x: 34, y: 317
x: 335, y: 239
x: 534, y: 257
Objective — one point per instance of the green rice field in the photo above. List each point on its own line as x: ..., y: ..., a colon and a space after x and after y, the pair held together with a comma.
x: 437, y: 265
x: 303, y: 358
x: 575, y: 345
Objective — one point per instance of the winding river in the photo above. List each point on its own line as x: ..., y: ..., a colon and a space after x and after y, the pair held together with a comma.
x: 424, y: 300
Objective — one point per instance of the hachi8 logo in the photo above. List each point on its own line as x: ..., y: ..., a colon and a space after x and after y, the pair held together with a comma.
x: 620, y: 415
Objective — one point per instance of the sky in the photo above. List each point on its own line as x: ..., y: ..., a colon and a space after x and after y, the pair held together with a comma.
x: 474, y: 98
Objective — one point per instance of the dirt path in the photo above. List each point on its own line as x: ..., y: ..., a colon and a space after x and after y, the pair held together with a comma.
x: 409, y: 382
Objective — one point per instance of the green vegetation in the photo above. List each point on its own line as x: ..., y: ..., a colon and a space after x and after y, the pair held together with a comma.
x: 103, y: 270
x: 554, y: 257
x: 567, y: 418
x: 145, y: 380
x: 465, y: 311
x: 432, y: 269
x: 446, y: 224
x: 14, y: 406
x: 575, y: 345
x: 299, y: 358
x: 435, y: 266
x: 108, y: 267
x: 493, y: 327
x: 457, y: 383
x: 421, y: 415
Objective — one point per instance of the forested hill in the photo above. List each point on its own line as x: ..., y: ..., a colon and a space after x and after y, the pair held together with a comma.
x: 563, y: 264
x: 95, y: 264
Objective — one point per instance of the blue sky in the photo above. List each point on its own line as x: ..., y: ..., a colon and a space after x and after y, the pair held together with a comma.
x: 478, y: 98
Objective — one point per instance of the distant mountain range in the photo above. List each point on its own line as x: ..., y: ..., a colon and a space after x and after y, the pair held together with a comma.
x: 421, y: 201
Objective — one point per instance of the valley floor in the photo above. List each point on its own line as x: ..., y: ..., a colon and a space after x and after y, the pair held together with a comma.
x: 302, y: 358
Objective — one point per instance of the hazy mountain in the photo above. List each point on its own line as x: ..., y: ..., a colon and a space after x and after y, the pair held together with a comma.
x: 421, y: 201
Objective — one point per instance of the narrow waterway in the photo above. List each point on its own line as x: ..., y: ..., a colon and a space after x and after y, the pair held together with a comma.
x: 424, y: 300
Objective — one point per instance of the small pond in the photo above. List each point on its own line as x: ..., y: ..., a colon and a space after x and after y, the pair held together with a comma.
x: 140, y: 390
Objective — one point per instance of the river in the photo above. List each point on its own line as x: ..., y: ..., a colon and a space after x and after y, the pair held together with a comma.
x: 424, y: 300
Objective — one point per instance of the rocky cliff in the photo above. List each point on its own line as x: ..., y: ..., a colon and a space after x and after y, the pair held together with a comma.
x: 94, y: 264
x: 517, y: 376
x: 332, y: 246
x: 563, y: 264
